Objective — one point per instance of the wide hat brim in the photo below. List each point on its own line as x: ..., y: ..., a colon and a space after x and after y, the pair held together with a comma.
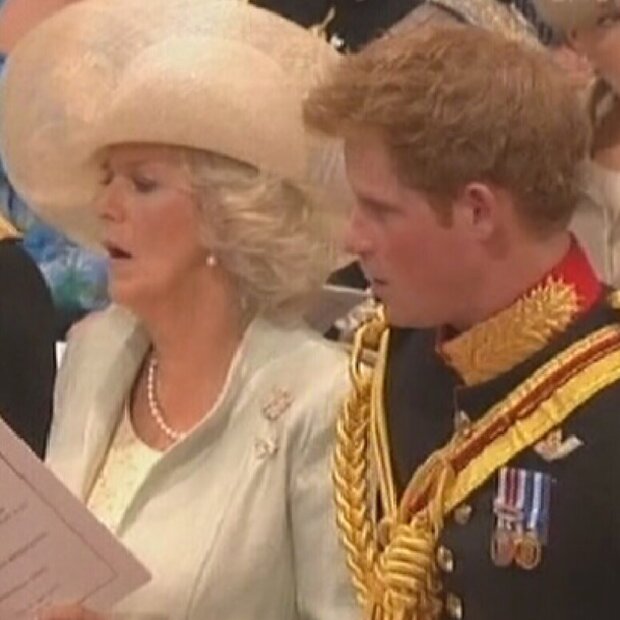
x: 217, y: 75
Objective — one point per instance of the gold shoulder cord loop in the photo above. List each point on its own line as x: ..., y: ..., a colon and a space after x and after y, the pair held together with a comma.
x: 393, y: 565
x: 350, y: 467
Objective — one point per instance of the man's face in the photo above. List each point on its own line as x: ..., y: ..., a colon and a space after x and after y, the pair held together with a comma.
x: 419, y: 266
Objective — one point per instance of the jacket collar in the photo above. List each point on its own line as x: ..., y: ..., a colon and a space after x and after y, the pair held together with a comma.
x: 529, y: 324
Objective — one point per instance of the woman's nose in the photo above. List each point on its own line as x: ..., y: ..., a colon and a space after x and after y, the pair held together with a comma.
x: 110, y: 204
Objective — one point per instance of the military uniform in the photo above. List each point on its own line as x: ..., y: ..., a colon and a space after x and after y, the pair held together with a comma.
x: 494, y: 456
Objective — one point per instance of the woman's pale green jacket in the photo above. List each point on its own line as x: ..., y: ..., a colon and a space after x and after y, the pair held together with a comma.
x: 236, y: 522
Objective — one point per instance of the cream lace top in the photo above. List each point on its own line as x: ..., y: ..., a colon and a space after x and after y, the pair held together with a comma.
x: 128, y: 461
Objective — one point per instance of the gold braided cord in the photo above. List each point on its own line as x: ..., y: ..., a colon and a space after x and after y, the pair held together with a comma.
x: 393, y: 564
x: 350, y: 467
x: 379, y: 432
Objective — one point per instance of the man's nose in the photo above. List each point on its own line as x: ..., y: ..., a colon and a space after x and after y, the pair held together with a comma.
x: 356, y: 239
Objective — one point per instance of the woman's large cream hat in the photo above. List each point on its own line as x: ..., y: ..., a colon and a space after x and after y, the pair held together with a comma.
x: 217, y: 75
x: 565, y: 15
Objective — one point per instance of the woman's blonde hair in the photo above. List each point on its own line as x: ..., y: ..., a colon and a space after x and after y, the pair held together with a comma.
x: 272, y: 236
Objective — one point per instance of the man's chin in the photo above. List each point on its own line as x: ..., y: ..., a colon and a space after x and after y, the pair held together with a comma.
x: 406, y: 319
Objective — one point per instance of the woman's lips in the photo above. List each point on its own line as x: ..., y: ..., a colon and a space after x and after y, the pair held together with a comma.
x: 116, y: 252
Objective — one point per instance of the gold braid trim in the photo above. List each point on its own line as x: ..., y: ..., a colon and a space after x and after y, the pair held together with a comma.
x: 392, y: 564
x: 557, y: 405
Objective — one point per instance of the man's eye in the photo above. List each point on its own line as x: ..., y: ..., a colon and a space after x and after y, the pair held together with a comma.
x: 381, y: 212
x: 372, y: 208
x: 106, y: 177
x: 143, y: 184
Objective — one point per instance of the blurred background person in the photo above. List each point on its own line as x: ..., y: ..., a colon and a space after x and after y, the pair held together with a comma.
x: 27, y: 347
x: 27, y: 315
x: 591, y: 30
x: 77, y: 277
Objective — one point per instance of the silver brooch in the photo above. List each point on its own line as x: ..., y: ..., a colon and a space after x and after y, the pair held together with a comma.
x: 278, y: 402
x: 265, y: 447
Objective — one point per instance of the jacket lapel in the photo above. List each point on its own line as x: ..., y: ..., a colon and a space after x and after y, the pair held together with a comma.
x: 112, y: 350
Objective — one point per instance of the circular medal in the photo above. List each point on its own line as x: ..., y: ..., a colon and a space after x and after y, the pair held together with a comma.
x: 528, y: 551
x: 502, y: 547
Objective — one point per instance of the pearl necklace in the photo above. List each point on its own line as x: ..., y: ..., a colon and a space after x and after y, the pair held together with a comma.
x: 154, y: 406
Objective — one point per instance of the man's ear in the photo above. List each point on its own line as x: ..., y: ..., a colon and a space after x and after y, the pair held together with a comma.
x: 477, y: 210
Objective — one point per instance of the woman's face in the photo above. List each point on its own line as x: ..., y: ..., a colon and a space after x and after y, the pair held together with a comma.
x: 150, y: 225
x: 601, y: 44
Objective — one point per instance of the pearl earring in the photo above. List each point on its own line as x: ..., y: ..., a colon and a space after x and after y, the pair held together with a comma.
x: 211, y: 260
